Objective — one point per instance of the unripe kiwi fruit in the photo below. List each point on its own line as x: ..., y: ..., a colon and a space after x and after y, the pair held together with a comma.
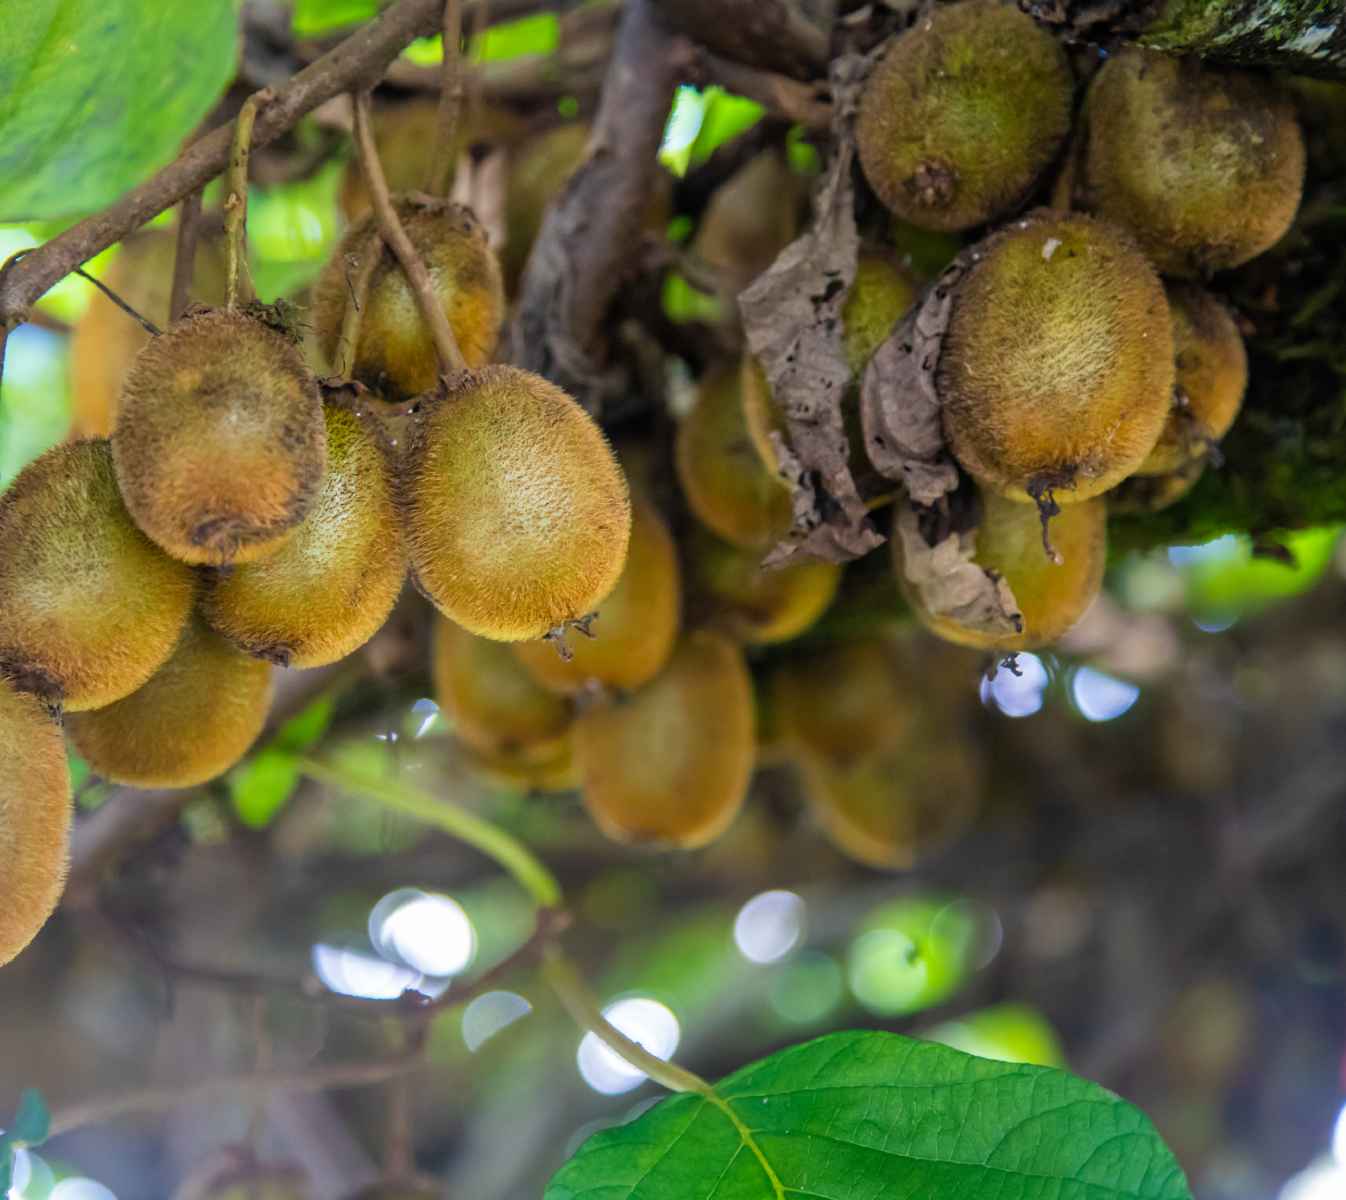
x: 635, y: 627
x: 106, y: 340
x: 750, y: 219
x: 515, y: 511
x: 220, y: 444
x: 90, y: 608
x: 879, y: 297
x: 727, y: 486
x: 495, y: 706
x: 330, y: 587
x: 35, y: 815
x: 194, y: 719
x: 1204, y: 165
x: 1056, y: 371
x: 963, y: 114
x: 845, y: 702
x: 1051, y: 597
x: 394, y: 353
x: 1212, y: 375
x: 754, y: 605
x: 670, y: 765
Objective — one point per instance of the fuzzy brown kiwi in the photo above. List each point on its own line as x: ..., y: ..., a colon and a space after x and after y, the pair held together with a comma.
x: 844, y: 702
x: 35, y: 815
x: 635, y: 627
x: 515, y: 511
x: 90, y: 608
x: 220, y: 443
x: 754, y: 605
x: 963, y: 114
x: 106, y: 340
x: 1051, y: 597
x: 394, y: 353
x: 1204, y: 165
x: 1212, y: 375
x: 726, y: 484
x: 328, y: 590
x: 670, y: 765
x: 880, y: 295
x: 1056, y: 372
x: 194, y: 719
x: 495, y: 706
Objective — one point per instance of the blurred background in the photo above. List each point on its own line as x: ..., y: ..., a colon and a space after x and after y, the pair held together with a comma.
x: 1128, y: 857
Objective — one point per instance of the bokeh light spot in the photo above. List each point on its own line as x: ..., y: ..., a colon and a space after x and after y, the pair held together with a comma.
x: 429, y: 933
x: 489, y: 1013
x: 646, y: 1022
x: 1017, y: 695
x: 769, y: 926
x: 1102, y: 697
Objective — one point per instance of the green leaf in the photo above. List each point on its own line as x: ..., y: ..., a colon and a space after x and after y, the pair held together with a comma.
x: 875, y: 1115
x: 260, y: 787
x: 32, y: 1122
x: 97, y: 94
x: 536, y: 34
x: 311, y: 18
x: 304, y: 730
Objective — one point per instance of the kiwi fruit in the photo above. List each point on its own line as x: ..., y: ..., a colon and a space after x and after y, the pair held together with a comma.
x: 754, y: 605
x: 749, y: 220
x: 219, y: 444
x: 35, y: 815
x: 1212, y: 375
x: 1051, y: 597
x: 633, y: 630
x: 1204, y: 165
x: 880, y: 296
x: 90, y: 608
x: 887, y: 809
x: 330, y: 587
x: 106, y: 340
x: 727, y: 486
x: 515, y: 511
x: 394, y: 353
x: 1056, y: 371
x: 963, y: 114
x: 844, y: 702
x: 528, y: 771
x: 1143, y: 494
x: 194, y: 719
x: 495, y: 706
x: 670, y: 764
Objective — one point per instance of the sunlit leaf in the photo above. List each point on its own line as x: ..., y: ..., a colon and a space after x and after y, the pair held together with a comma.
x: 1227, y: 580
x: 312, y: 18
x: 726, y: 117
x: 261, y: 787
x: 303, y: 731
x: 874, y: 1114
x: 537, y: 34
x: 97, y: 94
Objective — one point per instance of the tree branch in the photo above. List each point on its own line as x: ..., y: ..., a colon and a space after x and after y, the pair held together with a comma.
x: 809, y: 104
x: 771, y: 34
x: 358, y: 62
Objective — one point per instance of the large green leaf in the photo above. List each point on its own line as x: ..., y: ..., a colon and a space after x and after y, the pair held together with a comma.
x: 873, y: 1116
x: 97, y: 94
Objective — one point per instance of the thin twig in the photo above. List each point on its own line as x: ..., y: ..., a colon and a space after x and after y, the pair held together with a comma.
x: 399, y: 1158
x: 184, y: 258
x: 155, y: 1099
x: 451, y: 359
x: 144, y: 322
x: 445, y: 154
x: 236, y: 199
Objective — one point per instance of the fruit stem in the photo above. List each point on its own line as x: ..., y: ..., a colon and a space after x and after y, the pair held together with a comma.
x: 450, y: 102
x: 580, y: 1002
x: 528, y: 870
x: 451, y: 360
x: 236, y: 199
x: 184, y: 256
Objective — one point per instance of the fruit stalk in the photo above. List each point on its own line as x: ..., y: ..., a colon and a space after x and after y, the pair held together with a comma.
x: 238, y: 285
x: 390, y: 226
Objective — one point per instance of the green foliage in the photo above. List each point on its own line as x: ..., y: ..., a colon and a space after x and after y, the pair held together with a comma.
x: 97, y: 94
x: 313, y: 18
x: 700, y: 122
x: 1236, y: 583
x: 870, y: 1114
x: 262, y: 786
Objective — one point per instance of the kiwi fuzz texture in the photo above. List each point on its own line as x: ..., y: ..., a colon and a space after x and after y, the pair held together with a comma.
x: 90, y: 608
x: 331, y: 586
x: 220, y: 443
x: 963, y: 114
x: 495, y: 706
x: 1212, y: 375
x: 394, y: 353
x: 635, y: 627
x: 515, y: 511
x: 1051, y: 597
x: 1204, y: 165
x: 670, y: 765
x: 35, y: 815
x: 728, y: 487
x: 196, y: 717
x: 1056, y: 372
